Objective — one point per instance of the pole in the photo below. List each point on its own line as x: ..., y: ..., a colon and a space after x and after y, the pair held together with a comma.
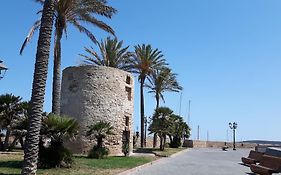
x: 188, y: 119
x: 198, y: 132
x: 180, y: 104
x: 234, y: 139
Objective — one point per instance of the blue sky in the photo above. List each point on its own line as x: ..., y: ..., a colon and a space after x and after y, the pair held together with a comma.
x: 227, y: 55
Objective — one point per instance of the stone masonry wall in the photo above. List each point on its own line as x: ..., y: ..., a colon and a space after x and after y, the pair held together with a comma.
x: 91, y: 94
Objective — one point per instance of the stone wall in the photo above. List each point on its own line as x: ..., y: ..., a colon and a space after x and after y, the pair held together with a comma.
x: 91, y: 94
x: 216, y: 144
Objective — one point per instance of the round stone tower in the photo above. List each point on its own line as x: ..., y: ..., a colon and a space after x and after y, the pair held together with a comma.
x: 91, y: 94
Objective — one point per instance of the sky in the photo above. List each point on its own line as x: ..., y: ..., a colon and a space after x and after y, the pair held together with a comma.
x: 227, y: 55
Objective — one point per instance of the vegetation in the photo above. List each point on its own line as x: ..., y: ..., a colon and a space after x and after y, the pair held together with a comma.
x: 56, y: 129
x: 144, y: 62
x: 162, y: 80
x: 38, y: 89
x: 11, y: 164
x: 12, y: 110
x: 165, y: 123
x: 73, y: 12
x: 112, y: 54
x: 100, y: 130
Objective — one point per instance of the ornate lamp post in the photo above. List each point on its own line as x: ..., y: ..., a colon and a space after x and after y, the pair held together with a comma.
x: 233, y: 126
x: 3, y: 69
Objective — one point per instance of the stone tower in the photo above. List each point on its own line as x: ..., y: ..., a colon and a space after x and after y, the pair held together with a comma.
x: 91, y: 94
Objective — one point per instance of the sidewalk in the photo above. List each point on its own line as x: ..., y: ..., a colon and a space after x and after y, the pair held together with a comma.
x: 196, y: 162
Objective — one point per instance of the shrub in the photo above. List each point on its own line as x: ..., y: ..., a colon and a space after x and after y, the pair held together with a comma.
x: 176, y: 142
x: 98, y: 152
x: 56, y: 155
x: 126, y: 148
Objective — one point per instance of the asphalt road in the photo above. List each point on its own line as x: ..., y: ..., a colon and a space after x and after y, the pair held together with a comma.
x: 198, y: 162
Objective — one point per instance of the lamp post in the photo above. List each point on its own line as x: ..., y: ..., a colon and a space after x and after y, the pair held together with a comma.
x: 233, y: 126
x: 3, y: 69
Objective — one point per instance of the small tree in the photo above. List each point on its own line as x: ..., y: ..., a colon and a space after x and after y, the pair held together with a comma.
x: 161, y: 124
x: 100, y: 130
x: 11, y: 109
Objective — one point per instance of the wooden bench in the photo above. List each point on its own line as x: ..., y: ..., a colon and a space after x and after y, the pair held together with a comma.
x: 253, y: 158
x: 268, y: 165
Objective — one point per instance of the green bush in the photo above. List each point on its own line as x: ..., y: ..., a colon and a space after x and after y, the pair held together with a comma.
x: 126, y: 148
x: 56, y: 155
x: 176, y: 142
x: 98, y: 152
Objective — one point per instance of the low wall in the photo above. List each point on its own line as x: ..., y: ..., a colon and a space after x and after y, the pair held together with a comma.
x: 215, y: 144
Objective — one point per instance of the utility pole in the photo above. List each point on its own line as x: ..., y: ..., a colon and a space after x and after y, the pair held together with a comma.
x: 188, y: 119
x: 207, y: 135
x: 198, y: 132
x: 180, y: 104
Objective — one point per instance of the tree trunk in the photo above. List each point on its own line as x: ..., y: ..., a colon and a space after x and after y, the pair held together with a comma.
x: 157, y: 106
x: 161, y: 142
x: 99, y: 142
x: 142, y: 110
x: 57, y: 71
x: 38, y: 89
x: 7, y: 137
x: 154, y: 140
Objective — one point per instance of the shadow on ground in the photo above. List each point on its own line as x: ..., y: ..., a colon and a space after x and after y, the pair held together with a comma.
x: 10, y: 164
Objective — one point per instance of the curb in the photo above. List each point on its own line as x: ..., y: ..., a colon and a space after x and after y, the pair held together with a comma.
x: 127, y: 172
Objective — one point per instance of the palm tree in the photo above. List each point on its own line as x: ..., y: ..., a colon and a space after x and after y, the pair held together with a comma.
x: 144, y: 62
x: 72, y: 12
x: 100, y: 130
x: 112, y: 54
x: 38, y: 89
x: 162, y: 80
x: 57, y: 128
x: 161, y: 124
x: 10, y: 110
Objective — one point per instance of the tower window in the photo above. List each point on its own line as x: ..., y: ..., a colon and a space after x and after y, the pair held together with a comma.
x: 127, y: 120
x: 129, y: 93
x: 128, y: 80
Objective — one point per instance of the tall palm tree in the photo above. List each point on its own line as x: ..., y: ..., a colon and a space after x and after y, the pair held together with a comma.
x: 162, y: 80
x: 143, y: 63
x: 72, y: 12
x: 38, y: 89
x: 112, y: 54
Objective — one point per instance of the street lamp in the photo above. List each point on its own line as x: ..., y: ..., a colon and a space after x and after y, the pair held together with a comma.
x: 233, y: 126
x: 3, y: 69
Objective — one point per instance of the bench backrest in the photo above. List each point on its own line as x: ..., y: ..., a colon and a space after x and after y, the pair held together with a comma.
x: 271, y: 162
x: 255, y: 155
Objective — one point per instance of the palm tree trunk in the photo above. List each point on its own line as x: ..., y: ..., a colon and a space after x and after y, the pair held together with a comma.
x: 7, y: 138
x: 142, y: 110
x: 157, y: 106
x: 38, y: 89
x: 57, y: 73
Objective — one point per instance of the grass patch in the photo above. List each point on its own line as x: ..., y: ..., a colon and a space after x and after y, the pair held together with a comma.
x: 10, y: 164
x: 166, y: 153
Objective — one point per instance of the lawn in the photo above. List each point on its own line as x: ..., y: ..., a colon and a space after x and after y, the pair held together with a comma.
x: 10, y: 164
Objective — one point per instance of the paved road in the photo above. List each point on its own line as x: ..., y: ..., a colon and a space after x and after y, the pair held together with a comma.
x: 198, y: 162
